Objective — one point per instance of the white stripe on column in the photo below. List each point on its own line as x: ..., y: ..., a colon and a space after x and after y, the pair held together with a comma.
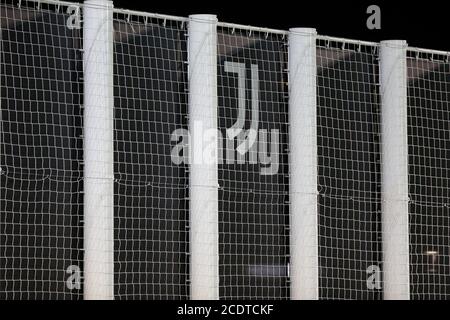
x: 303, y: 164
x: 393, y: 77
x: 98, y: 150
x: 204, y: 228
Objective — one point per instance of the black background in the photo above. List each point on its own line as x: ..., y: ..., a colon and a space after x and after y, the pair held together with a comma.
x: 421, y: 23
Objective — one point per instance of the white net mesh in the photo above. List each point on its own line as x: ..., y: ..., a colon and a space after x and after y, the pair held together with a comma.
x: 349, y: 174
x: 253, y: 194
x: 151, y: 191
x: 40, y: 153
x: 42, y: 232
x: 429, y: 174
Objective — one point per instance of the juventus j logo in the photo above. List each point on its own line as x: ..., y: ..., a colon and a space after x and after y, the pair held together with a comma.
x: 237, y: 130
x: 253, y: 142
x: 254, y: 146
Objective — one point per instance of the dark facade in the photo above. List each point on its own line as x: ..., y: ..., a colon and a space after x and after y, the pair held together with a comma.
x: 41, y: 178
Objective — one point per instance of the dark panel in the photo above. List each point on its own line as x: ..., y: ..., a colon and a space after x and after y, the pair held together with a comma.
x: 429, y: 177
x: 151, y: 192
x: 253, y: 207
x: 349, y: 173
x: 40, y: 154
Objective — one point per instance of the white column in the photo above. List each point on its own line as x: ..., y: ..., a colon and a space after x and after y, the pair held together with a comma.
x: 204, y: 228
x: 304, y: 269
x: 98, y: 150
x: 393, y: 77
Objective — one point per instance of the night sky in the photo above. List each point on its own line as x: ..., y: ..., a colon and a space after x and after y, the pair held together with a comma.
x: 422, y: 24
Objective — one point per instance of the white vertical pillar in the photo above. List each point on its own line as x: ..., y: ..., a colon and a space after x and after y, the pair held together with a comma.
x: 98, y: 150
x: 393, y: 77
x: 204, y: 227
x: 304, y: 269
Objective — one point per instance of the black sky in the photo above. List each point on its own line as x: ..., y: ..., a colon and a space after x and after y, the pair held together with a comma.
x: 421, y: 23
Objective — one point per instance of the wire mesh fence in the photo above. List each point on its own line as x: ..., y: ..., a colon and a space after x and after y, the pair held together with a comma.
x: 349, y: 174
x: 41, y: 233
x: 43, y: 151
x: 429, y: 174
x: 253, y: 195
x: 151, y: 191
